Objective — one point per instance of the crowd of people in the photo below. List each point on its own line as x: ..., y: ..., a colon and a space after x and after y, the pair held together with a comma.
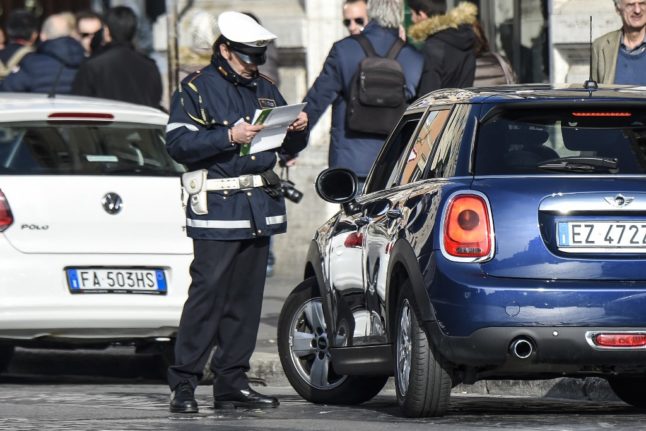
x: 80, y: 54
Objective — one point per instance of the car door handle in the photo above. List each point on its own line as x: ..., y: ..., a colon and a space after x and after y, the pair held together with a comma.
x: 394, y: 213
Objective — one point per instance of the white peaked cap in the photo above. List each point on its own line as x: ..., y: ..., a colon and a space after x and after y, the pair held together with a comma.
x: 241, y: 28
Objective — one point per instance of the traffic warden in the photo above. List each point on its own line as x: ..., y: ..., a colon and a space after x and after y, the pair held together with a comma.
x: 234, y: 205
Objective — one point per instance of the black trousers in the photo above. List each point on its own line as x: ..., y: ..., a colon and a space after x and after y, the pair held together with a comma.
x: 223, y: 309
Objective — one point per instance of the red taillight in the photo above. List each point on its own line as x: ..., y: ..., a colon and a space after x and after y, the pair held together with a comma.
x: 6, y: 218
x: 80, y: 116
x: 620, y: 340
x: 601, y: 114
x: 354, y: 240
x: 467, y: 229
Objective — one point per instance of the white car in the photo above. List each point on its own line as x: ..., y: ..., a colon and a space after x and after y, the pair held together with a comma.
x: 93, y: 248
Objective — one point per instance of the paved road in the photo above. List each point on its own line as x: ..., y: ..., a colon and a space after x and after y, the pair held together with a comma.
x: 91, y: 405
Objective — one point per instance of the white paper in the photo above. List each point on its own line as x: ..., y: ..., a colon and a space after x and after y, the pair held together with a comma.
x: 276, y: 122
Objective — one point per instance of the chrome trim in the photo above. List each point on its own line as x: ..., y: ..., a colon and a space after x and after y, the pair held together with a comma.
x: 589, y: 336
x: 493, y: 230
x: 565, y: 203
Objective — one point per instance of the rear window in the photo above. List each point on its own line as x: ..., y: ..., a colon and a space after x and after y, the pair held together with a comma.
x: 558, y: 141
x: 84, y: 149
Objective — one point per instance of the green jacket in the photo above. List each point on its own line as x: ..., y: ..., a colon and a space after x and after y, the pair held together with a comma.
x: 605, y: 51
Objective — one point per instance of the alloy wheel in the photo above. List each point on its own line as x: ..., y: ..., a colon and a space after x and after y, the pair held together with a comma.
x: 404, y: 348
x: 309, y: 347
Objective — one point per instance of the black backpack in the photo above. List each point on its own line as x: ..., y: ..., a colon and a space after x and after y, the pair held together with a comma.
x: 377, y: 96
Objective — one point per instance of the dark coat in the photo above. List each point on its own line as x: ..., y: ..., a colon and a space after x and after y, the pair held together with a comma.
x: 54, y: 64
x: 449, y: 49
x: 201, y: 114
x: 119, y: 72
x: 356, y: 151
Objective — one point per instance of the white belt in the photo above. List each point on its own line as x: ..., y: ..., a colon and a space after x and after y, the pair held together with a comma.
x: 241, y: 182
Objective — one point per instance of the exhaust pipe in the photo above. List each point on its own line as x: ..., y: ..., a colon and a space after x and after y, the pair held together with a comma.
x: 521, y: 348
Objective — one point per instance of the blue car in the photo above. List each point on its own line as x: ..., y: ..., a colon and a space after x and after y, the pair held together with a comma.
x: 501, y: 234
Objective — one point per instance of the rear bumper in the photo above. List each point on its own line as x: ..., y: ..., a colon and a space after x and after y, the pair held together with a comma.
x: 37, y: 303
x: 556, y: 351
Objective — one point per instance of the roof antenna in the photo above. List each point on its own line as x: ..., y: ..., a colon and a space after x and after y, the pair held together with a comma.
x: 590, y: 84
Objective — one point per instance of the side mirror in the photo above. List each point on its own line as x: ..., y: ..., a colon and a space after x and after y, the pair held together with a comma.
x: 337, y: 185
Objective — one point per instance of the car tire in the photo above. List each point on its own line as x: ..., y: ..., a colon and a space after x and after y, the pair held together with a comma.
x: 629, y: 390
x: 6, y: 353
x: 422, y: 383
x: 308, y: 364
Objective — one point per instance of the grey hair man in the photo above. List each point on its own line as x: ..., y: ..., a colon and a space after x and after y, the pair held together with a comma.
x: 57, y: 25
x: 619, y: 57
x: 349, y: 148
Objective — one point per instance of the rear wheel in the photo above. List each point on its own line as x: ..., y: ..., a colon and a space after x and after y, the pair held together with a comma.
x: 422, y: 384
x: 6, y: 353
x: 304, y: 355
x: 629, y: 390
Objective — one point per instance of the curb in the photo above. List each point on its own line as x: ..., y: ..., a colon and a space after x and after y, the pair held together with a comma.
x: 267, y: 367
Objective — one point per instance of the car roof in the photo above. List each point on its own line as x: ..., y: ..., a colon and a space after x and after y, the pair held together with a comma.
x: 39, y: 107
x: 532, y: 93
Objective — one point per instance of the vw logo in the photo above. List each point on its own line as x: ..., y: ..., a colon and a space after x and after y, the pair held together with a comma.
x: 112, y: 203
x: 619, y: 201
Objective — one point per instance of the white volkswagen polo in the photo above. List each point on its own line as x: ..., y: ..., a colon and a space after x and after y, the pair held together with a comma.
x: 93, y: 249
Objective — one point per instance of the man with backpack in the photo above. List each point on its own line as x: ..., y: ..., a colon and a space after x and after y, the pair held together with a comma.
x: 22, y: 32
x: 388, y: 86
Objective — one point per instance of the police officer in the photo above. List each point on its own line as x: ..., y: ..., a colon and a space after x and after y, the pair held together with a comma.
x: 209, y: 120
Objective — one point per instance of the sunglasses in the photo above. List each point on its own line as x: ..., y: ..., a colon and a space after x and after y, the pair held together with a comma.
x: 84, y: 35
x: 358, y: 21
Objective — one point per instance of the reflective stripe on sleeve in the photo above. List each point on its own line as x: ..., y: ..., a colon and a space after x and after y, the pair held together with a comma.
x: 172, y: 126
x: 276, y: 219
x: 218, y: 224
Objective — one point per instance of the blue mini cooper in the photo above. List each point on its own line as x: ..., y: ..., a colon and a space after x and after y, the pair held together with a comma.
x: 501, y: 234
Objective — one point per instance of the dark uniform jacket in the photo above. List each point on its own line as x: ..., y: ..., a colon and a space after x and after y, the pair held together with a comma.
x: 348, y: 149
x: 211, y: 101
x: 449, y: 49
x: 51, y: 68
x: 119, y: 72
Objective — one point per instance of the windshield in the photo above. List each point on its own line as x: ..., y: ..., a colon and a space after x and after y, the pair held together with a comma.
x: 544, y: 142
x: 42, y: 148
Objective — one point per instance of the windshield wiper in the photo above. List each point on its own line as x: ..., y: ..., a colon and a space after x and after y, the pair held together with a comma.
x: 581, y: 164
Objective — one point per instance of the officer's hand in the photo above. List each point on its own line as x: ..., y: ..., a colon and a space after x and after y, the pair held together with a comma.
x: 299, y: 124
x: 243, y: 133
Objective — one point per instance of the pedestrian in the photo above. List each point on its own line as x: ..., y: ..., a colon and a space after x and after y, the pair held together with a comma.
x: 492, y: 68
x: 350, y: 149
x: 232, y: 223
x: 619, y: 57
x: 22, y: 32
x: 88, y: 25
x: 52, y: 67
x: 117, y: 71
x: 449, y: 43
x: 355, y: 15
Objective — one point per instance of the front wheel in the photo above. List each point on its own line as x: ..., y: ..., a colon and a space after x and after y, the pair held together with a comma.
x: 629, y: 390
x: 305, y: 357
x: 422, y: 384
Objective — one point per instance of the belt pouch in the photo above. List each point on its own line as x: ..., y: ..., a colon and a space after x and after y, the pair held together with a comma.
x: 194, y: 184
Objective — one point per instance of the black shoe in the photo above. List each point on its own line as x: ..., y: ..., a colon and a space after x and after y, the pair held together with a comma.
x: 245, y: 398
x: 182, y: 399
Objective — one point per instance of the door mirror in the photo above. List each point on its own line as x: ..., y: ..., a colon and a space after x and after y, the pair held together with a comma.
x: 337, y: 185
